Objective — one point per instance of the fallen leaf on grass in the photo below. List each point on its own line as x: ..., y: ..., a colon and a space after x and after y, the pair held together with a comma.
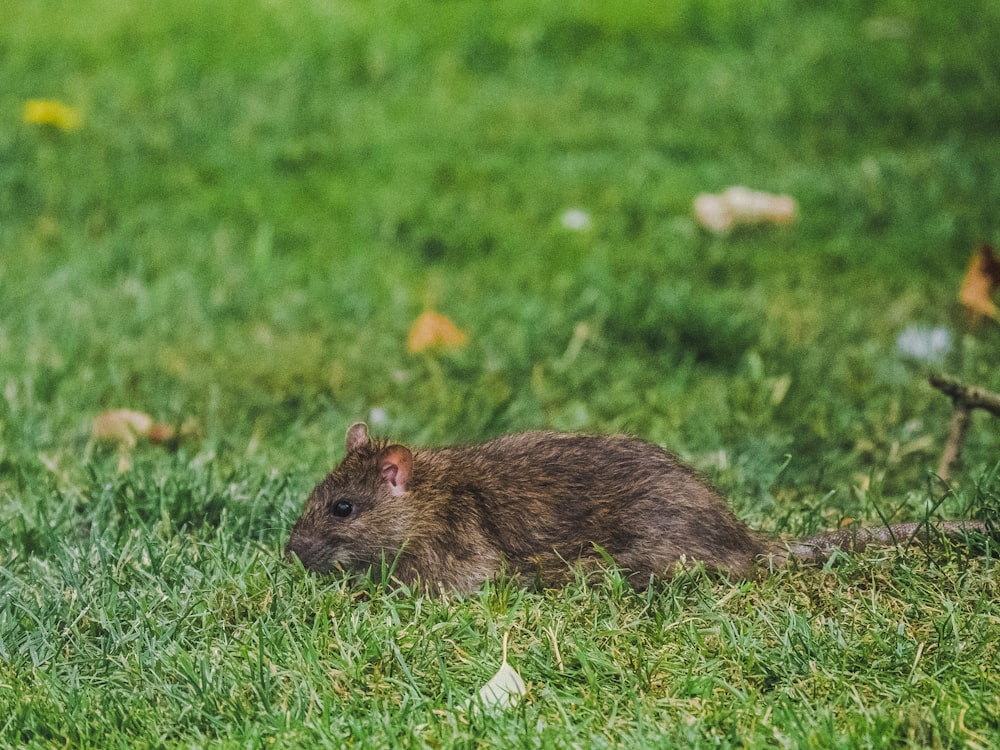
x: 981, y: 280
x: 504, y: 689
x: 740, y: 206
x: 434, y: 331
x: 125, y: 427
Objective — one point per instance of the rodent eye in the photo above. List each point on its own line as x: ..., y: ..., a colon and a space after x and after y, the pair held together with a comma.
x: 342, y: 509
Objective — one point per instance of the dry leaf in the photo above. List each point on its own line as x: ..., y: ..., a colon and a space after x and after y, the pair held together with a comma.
x: 738, y: 205
x: 161, y: 433
x: 504, y: 689
x: 981, y: 280
x: 434, y: 331
x: 124, y: 426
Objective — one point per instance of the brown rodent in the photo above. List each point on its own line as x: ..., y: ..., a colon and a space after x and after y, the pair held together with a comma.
x: 535, y: 503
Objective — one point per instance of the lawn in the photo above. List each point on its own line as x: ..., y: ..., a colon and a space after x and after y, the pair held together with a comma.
x: 258, y: 201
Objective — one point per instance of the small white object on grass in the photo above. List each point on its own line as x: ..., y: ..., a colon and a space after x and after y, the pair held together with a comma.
x: 924, y: 344
x: 576, y: 220
x: 503, y: 690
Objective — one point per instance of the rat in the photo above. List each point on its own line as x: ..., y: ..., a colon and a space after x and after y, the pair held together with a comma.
x: 535, y: 504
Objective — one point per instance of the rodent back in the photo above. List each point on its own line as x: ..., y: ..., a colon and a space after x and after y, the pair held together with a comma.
x: 538, y: 492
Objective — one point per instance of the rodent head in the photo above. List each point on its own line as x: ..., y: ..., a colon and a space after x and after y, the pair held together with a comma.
x: 358, y: 513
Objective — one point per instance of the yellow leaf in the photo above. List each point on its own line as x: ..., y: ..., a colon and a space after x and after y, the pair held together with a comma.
x: 52, y: 112
x: 434, y: 331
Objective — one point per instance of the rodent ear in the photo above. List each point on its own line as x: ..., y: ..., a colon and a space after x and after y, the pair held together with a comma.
x: 357, y: 436
x: 396, y: 464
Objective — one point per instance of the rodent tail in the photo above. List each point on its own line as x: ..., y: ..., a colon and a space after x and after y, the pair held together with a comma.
x: 856, y: 538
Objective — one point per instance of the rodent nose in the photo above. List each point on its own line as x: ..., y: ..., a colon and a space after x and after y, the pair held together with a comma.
x: 310, y: 551
x: 292, y: 550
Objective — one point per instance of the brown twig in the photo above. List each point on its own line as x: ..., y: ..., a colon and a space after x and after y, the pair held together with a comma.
x: 964, y: 399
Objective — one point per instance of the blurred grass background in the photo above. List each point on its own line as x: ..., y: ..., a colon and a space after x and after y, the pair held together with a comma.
x: 262, y: 199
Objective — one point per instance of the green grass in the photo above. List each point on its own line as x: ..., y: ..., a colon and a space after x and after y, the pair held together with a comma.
x: 264, y: 196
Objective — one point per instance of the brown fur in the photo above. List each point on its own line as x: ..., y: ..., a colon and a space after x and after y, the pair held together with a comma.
x: 534, y: 503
